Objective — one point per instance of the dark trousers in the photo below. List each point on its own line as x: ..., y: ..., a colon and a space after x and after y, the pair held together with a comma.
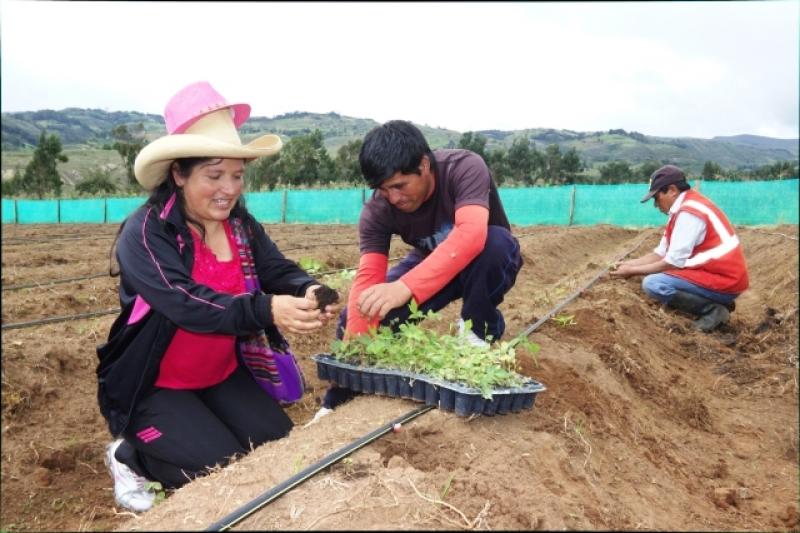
x: 482, y: 285
x: 176, y: 435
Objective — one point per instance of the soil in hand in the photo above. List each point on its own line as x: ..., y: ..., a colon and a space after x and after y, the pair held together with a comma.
x: 326, y: 296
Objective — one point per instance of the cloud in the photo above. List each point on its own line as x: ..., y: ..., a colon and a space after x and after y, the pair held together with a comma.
x: 662, y: 68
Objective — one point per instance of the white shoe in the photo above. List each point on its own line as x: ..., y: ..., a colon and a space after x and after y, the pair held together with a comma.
x: 323, y: 411
x: 129, y: 487
x: 470, y: 336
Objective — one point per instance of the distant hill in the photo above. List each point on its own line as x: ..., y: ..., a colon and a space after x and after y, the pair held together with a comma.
x: 760, y: 142
x: 90, y: 129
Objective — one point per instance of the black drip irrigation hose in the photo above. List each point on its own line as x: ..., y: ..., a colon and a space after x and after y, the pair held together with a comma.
x: 53, y: 282
x: 109, y: 311
x: 533, y: 327
x: 279, y: 490
x: 54, y: 319
x: 92, y: 276
x: 19, y: 240
x: 66, y: 318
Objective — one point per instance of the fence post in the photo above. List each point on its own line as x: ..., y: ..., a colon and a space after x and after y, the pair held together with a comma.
x: 571, y: 206
x: 283, y: 207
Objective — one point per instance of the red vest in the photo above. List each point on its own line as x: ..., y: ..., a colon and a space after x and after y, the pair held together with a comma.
x: 717, y: 263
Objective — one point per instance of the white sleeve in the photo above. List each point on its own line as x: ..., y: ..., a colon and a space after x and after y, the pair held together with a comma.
x: 661, y: 249
x: 689, y: 231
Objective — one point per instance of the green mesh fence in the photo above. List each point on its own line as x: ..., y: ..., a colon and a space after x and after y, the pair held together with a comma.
x: 9, y: 211
x: 267, y: 207
x: 86, y: 211
x: 745, y: 203
x: 615, y: 204
x: 537, y: 205
x: 37, y: 211
x: 117, y: 209
x: 752, y: 203
x: 339, y: 206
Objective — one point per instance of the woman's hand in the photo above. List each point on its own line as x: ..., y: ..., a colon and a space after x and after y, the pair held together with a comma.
x: 296, y: 315
x: 330, y: 309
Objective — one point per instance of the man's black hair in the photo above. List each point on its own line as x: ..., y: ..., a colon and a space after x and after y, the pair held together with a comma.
x: 397, y: 146
x: 681, y: 186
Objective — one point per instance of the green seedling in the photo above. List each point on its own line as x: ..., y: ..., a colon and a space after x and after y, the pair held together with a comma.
x: 298, y: 463
x: 336, y: 281
x: 446, y: 487
x: 157, y: 489
x: 347, y: 465
x: 564, y: 320
x: 418, y: 349
x: 310, y: 265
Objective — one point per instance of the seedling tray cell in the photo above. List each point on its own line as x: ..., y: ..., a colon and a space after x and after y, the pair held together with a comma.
x: 445, y: 395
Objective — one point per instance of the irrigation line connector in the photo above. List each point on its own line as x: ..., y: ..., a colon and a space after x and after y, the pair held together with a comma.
x: 278, y: 490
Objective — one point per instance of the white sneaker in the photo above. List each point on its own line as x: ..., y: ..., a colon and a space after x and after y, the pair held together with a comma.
x: 323, y: 411
x: 470, y: 336
x: 129, y: 487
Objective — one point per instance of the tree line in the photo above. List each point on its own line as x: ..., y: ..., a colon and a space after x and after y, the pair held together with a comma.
x: 304, y: 162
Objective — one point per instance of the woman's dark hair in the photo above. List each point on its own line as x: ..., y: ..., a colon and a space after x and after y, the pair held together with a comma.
x: 397, y: 146
x: 161, y: 195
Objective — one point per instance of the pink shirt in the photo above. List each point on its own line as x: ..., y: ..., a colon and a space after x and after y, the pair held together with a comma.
x: 200, y: 360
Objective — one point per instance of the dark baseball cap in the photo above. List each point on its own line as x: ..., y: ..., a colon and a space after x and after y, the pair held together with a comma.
x: 666, y: 175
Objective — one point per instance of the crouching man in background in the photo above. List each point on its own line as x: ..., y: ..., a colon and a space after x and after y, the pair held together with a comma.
x: 698, y: 267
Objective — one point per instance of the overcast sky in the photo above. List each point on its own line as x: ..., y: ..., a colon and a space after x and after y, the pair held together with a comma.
x: 689, y: 69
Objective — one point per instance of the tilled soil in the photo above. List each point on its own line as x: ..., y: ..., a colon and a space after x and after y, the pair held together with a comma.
x: 645, y: 423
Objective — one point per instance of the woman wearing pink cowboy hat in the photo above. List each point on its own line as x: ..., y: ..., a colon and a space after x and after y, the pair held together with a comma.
x: 197, y: 275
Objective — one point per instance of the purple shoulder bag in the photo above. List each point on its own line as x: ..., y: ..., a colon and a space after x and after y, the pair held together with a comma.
x: 266, y: 353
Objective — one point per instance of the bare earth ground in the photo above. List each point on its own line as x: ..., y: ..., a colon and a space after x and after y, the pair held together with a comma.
x: 645, y: 423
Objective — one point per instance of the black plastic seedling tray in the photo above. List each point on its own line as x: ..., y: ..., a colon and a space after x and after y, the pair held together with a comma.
x: 445, y: 395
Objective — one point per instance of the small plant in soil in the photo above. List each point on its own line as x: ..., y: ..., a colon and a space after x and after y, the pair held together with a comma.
x: 325, y: 296
x: 310, y: 265
x: 337, y: 280
x: 564, y: 320
x: 449, y: 357
x: 157, y: 489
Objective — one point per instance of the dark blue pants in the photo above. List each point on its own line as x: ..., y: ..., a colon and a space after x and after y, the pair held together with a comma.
x: 482, y: 285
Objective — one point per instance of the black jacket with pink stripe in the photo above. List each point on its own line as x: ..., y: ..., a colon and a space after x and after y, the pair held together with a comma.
x: 158, y: 295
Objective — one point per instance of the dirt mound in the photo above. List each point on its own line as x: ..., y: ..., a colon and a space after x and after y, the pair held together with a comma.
x: 645, y: 423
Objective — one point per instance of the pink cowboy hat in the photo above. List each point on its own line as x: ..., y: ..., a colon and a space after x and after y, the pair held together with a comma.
x: 200, y: 123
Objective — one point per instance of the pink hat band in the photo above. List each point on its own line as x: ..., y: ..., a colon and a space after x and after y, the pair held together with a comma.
x: 194, y: 102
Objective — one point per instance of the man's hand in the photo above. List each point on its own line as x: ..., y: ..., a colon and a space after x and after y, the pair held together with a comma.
x: 378, y: 300
x: 623, y: 271
x: 296, y: 315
